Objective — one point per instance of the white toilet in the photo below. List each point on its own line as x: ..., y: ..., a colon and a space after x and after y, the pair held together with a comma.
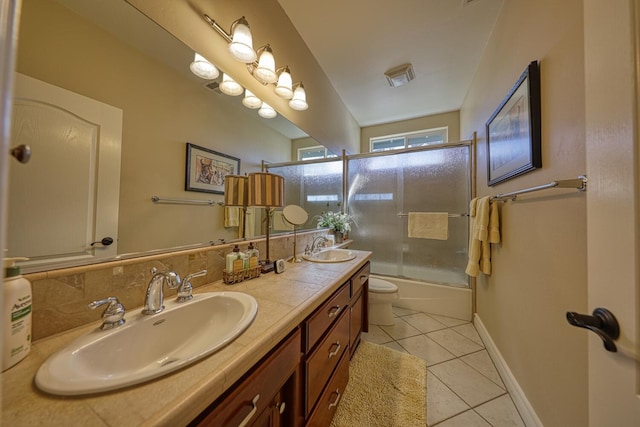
x: 381, y: 294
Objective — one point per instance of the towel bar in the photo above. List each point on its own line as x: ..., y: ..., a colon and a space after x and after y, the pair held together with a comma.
x: 450, y: 215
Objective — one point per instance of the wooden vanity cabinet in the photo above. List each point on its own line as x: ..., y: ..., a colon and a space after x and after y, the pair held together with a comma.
x: 359, y: 306
x: 267, y: 396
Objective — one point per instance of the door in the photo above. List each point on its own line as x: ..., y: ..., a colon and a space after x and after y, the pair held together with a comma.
x: 66, y: 197
x: 613, y: 217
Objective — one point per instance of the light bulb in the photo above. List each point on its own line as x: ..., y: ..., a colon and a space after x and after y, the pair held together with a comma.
x: 266, y: 70
x: 283, y: 88
x: 299, y: 100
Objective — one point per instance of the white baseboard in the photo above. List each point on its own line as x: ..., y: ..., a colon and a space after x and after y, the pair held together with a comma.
x: 519, y: 399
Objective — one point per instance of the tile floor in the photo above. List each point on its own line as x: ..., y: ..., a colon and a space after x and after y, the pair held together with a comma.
x: 464, y: 388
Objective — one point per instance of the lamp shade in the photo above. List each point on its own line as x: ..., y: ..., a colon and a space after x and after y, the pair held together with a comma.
x: 236, y: 190
x: 266, y: 70
x: 241, y: 46
x: 230, y: 87
x: 250, y: 100
x: 266, y: 111
x: 266, y: 190
x: 203, y: 68
x: 284, y: 87
x: 299, y: 100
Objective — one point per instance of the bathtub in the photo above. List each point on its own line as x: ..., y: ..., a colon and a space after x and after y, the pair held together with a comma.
x: 444, y: 300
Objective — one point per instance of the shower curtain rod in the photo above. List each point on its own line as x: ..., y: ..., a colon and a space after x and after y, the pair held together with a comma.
x: 449, y: 215
x: 580, y: 184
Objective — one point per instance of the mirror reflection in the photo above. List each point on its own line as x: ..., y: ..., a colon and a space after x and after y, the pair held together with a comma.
x: 141, y: 74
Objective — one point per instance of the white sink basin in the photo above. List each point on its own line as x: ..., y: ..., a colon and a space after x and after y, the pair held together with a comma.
x: 331, y: 255
x: 148, y: 346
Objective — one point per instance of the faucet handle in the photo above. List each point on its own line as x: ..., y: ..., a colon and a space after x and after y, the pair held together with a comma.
x: 186, y: 289
x: 113, y: 315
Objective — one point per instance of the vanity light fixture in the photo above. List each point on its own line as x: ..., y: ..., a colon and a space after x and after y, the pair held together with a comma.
x: 230, y: 87
x: 299, y: 100
x: 203, y: 68
x: 284, y: 87
x: 250, y: 100
x: 266, y: 111
x: 261, y: 65
x: 265, y: 72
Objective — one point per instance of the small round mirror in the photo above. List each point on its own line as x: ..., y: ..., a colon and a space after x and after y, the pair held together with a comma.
x: 295, y: 215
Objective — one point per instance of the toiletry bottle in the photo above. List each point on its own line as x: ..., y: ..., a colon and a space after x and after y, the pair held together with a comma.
x: 253, y: 255
x: 232, y: 256
x: 16, y: 315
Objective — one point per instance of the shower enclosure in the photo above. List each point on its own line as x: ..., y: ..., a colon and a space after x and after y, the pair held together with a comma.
x: 381, y: 189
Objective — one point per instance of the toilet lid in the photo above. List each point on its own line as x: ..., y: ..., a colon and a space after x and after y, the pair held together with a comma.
x: 381, y: 286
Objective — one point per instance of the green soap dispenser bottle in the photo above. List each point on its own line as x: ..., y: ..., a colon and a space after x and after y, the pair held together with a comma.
x: 16, y: 314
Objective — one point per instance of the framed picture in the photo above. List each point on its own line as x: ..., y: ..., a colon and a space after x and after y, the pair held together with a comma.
x: 513, y: 130
x: 206, y: 169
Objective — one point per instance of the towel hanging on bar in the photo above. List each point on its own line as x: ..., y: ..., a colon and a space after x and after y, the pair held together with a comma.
x: 428, y: 225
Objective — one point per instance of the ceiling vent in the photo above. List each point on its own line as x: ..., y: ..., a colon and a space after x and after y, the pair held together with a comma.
x: 400, y: 75
x: 213, y: 85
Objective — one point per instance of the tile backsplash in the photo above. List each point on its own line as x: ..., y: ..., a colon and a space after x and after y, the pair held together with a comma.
x: 60, y: 297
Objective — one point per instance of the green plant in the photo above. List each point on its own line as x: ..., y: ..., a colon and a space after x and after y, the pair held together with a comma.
x: 337, y: 221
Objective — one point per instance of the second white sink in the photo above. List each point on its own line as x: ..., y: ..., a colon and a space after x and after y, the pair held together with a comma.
x: 331, y: 255
x: 148, y: 346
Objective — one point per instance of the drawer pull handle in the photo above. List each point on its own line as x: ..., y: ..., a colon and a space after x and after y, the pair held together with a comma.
x: 250, y: 415
x: 281, y: 407
x: 334, y: 352
x: 335, y: 402
x: 334, y: 311
x: 364, y: 278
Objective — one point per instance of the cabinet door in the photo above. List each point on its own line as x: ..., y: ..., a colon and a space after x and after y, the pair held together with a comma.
x: 355, y: 328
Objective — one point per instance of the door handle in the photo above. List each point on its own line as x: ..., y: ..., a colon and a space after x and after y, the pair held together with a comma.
x: 104, y: 242
x: 602, y: 322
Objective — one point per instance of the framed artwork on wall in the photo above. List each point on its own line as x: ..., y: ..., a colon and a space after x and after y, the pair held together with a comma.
x: 206, y: 169
x: 514, y: 130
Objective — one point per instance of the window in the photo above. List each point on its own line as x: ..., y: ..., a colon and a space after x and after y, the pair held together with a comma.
x: 314, y: 153
x: 409, y: 140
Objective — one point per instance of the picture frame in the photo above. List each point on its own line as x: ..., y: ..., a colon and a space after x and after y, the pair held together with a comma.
x: 514, y: 145
x: 206, y: 169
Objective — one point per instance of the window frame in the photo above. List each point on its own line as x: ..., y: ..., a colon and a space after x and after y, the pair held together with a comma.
x: 406, y: 135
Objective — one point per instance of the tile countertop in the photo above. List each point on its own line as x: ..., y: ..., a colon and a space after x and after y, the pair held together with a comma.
x: 284, y: 301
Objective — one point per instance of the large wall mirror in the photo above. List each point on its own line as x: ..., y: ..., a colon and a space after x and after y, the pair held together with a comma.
x: 112, y: 54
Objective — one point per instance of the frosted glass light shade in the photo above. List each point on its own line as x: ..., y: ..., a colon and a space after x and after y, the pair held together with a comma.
x: 266, y: 111
x: 266, y: 70
x: 250, y: 100
x: 299, y: 100
x: 284, y: 87
x: 241, y: 46
x: 230, y: 87
x: 203, y: 68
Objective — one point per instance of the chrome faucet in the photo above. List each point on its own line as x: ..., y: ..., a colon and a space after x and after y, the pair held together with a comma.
x: 315, y: 246
x: 113, y: 315
x: 185, y: 290
x: 154, y: 299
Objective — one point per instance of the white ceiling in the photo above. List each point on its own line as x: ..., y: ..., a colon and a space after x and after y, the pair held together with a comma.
x: 356, y: 41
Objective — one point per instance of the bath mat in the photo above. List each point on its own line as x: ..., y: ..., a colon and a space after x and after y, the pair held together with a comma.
x: 386, y: 388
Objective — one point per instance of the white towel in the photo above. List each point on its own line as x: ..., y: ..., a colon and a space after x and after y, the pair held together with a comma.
x: 231, y: 216
x: 248, y: 223
x: 429, y: 225
x: 280, y: 223
x: 484, y: 228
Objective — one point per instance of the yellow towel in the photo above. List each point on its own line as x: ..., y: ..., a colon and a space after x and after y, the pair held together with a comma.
x: 429, y: 225
x: 231, y: 216
x: 484, y: 228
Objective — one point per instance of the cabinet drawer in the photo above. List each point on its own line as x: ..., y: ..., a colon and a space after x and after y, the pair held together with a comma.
x: 330, y: 399
x: 323, y: 317
x: 254, y: 394
x: 325, y: 357
x: 359, y: 279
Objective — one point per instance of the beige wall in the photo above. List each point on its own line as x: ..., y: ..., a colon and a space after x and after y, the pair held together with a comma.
x: 451, y: 119
x: 539, y: 270
x: 163, y: 110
